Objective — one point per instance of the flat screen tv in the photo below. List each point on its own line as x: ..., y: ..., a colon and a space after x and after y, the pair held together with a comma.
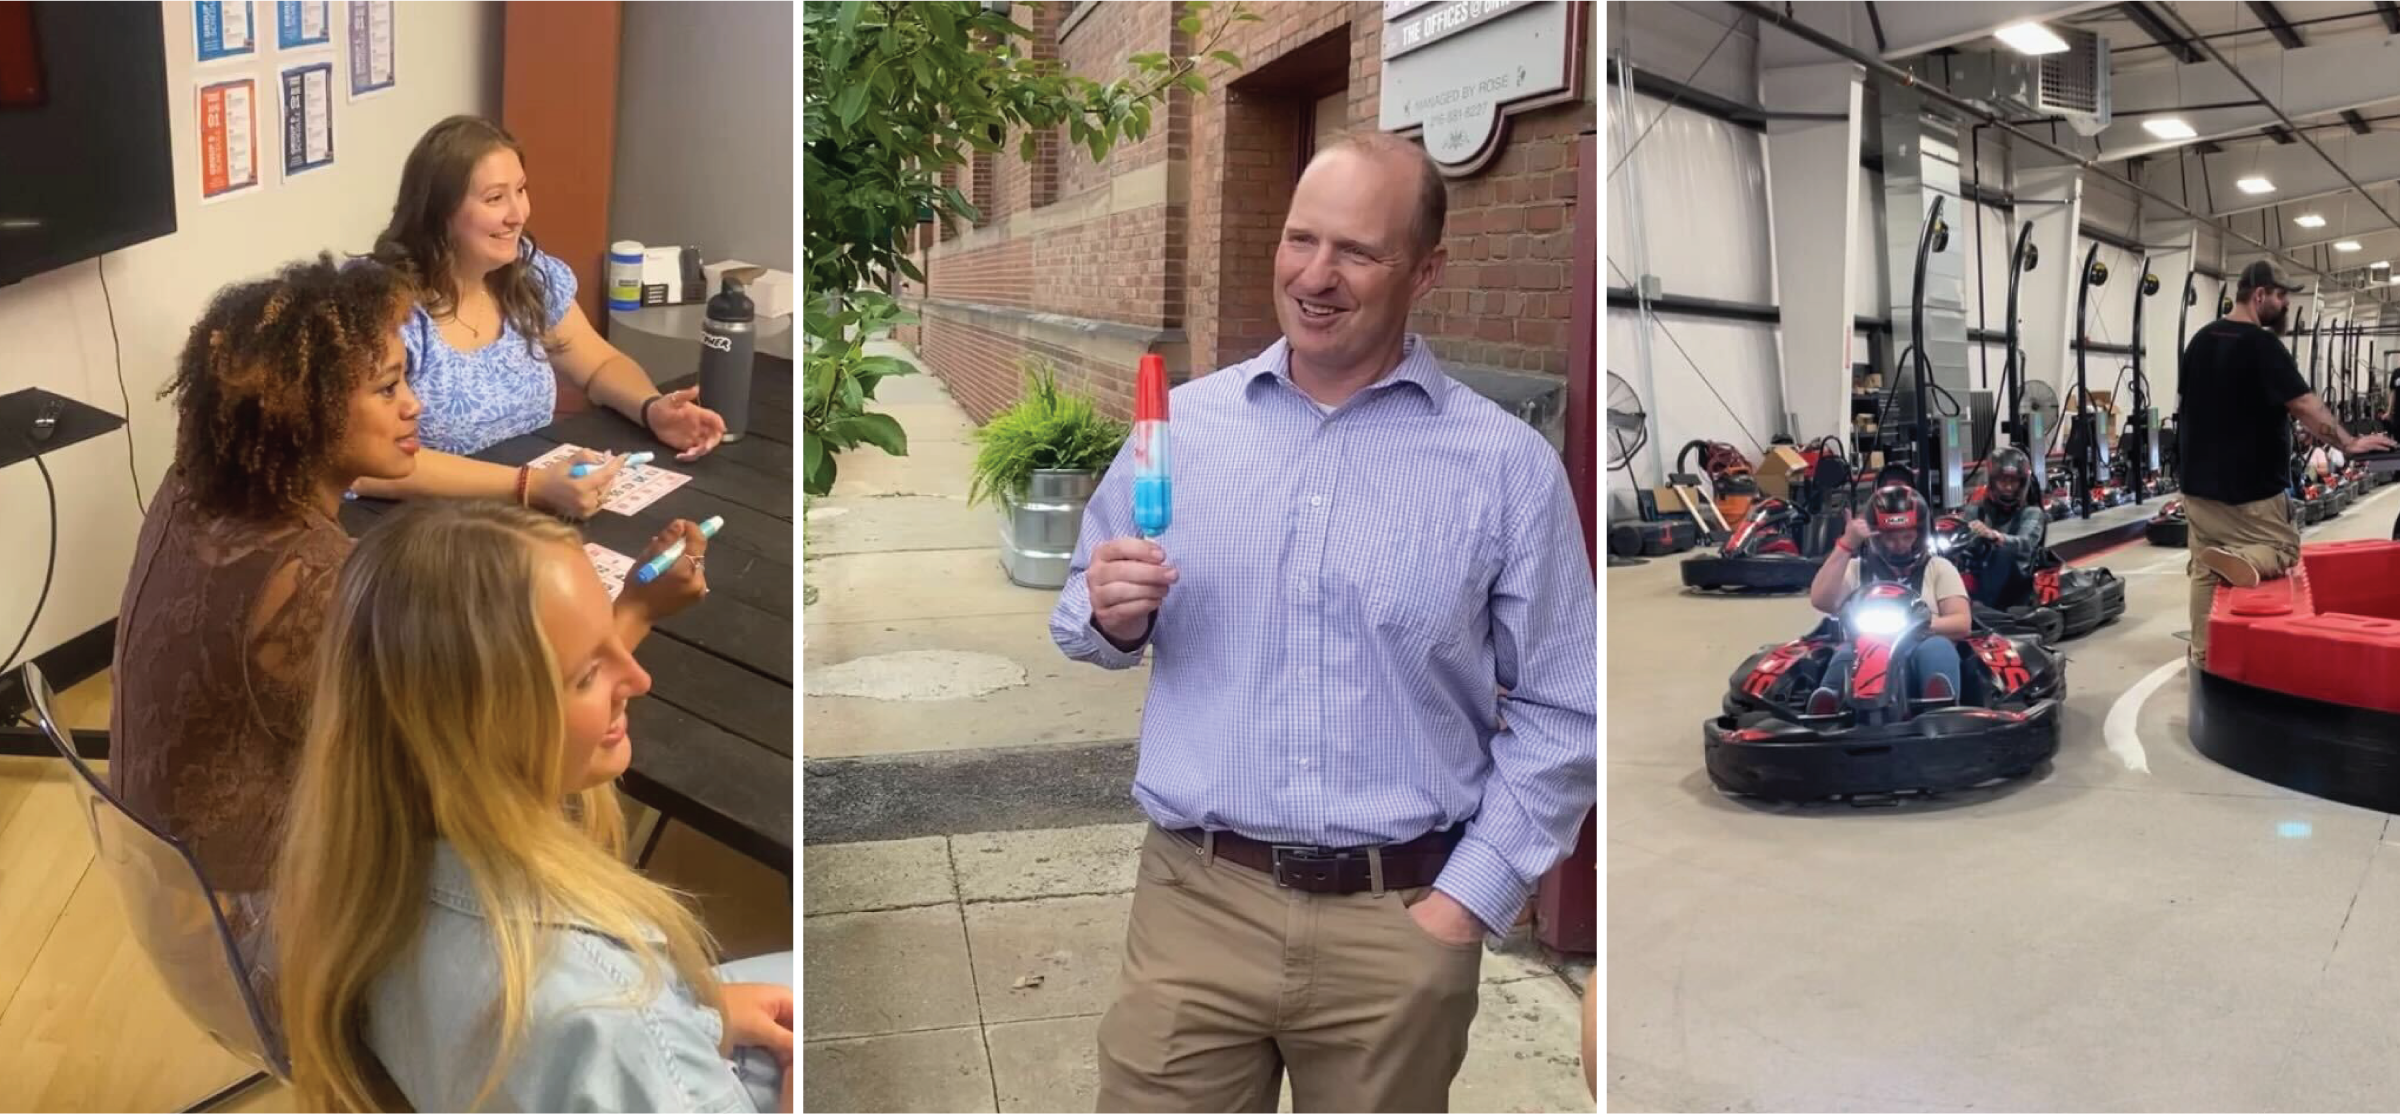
x: 86, y: 161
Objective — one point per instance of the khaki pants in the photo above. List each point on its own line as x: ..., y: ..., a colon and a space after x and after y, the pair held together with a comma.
x: 1229, y: 978
x: 2261, y: 532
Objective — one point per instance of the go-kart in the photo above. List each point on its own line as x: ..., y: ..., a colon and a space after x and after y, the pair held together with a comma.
x: 2059, y: 500
x: 2318, y: 492
x: 2311, y: 503
x: 2169, y: 527
x: 1878, y: 743
x: 1764, y: 554
x: 2063, y: 602
x: 1779, y: 545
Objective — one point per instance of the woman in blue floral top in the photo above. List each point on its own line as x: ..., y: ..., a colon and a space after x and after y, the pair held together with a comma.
x: 496, y: 326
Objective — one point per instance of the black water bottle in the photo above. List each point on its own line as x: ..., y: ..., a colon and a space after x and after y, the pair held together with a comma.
x: 727, y: 340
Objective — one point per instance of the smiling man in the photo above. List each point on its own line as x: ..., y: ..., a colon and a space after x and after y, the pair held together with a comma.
x: 1364, y: 552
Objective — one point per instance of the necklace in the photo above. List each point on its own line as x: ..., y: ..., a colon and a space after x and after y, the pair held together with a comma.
x: 456, y: 317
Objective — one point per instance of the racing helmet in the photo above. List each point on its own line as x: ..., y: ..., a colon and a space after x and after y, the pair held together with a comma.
x: 1903, y: 533
x: 2006, y: 476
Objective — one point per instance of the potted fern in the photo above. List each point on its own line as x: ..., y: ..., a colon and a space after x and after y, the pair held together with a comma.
x: 1040, y: 461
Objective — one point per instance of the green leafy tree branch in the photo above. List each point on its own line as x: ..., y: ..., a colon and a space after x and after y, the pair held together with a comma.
x: 895, y: 96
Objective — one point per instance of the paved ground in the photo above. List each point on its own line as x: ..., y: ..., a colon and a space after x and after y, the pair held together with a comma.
x: 970, y: 973
x: 970, y: 840
x: 2135, y: 928
x: 912, y: 607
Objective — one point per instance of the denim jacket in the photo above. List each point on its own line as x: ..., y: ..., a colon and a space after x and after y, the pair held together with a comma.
x: 586, y: 1046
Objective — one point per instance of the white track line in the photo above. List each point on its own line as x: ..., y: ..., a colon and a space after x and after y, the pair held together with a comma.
x: 2160, y: 567
x: 2124, y: 716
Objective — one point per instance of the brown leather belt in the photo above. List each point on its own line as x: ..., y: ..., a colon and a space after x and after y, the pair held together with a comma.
x: 1327, y: 870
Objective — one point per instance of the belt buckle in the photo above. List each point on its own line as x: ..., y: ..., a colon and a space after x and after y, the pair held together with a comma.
x: 1295, y: 852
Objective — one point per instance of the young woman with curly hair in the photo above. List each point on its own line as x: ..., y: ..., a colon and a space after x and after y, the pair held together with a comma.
x: 496, y: 325
x: 289, y: 391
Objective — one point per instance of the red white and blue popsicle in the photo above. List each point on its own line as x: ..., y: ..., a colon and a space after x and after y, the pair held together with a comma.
x: 1153, y: 488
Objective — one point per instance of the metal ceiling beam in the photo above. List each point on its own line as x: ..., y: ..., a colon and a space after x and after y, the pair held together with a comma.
x: 2391, y: 15
x: 2357, y: 122
x: 1908, y: 30
x: 2275, y: 24
x: 2342, y: 222
x: 2282, y: 136
x: 2140, y: 16
x: 1772, y: 16
x: 2372, y: 246
x: 2301, y: 174
x: 2220, y: 103
x: 1914, y: 29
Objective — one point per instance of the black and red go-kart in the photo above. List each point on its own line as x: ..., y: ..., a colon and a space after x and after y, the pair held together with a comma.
x: 1779, y: 545
x: 2063, y: 602
x: 1877, y: 743
x: 2169, y: 527
x: 1764, y: 554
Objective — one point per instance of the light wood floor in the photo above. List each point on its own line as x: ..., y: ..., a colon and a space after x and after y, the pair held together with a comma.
x: 85, y: 1023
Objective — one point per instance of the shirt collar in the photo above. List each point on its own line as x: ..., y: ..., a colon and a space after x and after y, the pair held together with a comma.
x: 452, y: 887
x: 1418, y: 366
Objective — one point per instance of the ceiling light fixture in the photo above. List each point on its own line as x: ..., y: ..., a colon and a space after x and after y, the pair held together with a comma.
x: 2346, y: 245
x: 2169, y: 127
x: 2309, y: 220
x: 2256, y: 185
x: 2031, y: 38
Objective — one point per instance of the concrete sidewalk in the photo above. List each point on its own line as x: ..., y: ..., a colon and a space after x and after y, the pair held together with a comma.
x: 917, y: 641
x: 970, y: 973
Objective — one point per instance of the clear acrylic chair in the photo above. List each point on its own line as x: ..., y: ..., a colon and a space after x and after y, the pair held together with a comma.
x: 173, y: 912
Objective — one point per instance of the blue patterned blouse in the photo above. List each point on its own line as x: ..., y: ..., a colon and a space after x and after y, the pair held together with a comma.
x: 476, y: 399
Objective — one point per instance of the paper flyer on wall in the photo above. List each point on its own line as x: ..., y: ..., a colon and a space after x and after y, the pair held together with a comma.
x: 373, y: 45
x: 307, y: 117
x: 222, y: 30
x: 228, y: 138
x: 303, y: 23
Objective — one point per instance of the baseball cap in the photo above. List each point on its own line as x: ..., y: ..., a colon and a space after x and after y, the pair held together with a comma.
x: 2261, y: 275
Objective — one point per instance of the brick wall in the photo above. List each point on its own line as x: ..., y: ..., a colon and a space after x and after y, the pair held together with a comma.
x: 1196, y: 275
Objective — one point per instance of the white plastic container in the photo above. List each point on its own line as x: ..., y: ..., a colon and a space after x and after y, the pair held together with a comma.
x: 625, y: 275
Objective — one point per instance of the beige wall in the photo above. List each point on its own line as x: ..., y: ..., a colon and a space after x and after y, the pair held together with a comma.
x: 704, y: 129
x: 54, y: 328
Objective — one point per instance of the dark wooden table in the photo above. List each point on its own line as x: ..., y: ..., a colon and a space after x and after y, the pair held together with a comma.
x: 712, y: 743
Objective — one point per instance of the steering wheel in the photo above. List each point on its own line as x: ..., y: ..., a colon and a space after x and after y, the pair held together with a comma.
x: 1961, y: 542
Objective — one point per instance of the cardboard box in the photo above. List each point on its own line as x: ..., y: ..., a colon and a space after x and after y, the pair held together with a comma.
x: 665, y: 281
x: 1776, y: 471
x: 771, y: 291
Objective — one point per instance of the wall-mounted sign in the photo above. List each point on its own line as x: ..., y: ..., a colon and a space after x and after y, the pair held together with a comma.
x: 1455, y: 70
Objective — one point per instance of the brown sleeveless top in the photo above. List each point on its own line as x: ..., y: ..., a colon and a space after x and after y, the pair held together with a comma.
x: 216, y: 656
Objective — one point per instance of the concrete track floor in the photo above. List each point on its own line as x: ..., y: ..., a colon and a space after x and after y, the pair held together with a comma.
x: 2131, y: 928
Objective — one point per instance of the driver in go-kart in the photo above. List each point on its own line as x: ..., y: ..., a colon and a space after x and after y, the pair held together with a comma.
x: 1894, y: 544
x: 2015, y: 526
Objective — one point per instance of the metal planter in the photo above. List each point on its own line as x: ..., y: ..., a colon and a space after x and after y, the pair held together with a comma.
x: 1038, y: 534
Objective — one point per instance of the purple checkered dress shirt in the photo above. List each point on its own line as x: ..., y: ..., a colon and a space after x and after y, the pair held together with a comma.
x: 1354, y: 588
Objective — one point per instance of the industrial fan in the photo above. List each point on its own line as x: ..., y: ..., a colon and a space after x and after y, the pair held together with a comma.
x: 1628, y: 434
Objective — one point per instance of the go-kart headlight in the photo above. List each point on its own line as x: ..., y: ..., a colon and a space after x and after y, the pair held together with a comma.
x: 1879, y: 618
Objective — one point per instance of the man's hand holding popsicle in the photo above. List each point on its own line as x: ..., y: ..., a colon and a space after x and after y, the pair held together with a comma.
x: 1129, y: 578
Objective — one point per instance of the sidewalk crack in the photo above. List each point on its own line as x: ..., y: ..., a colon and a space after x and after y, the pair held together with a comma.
x: 983, y: 1030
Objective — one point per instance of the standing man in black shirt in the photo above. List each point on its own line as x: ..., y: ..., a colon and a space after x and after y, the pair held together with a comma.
x: 2240, y: 391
